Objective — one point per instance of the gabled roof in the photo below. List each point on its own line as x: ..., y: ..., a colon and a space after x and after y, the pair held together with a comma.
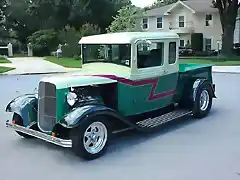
x: 177, y: 4
x: 195, y: 6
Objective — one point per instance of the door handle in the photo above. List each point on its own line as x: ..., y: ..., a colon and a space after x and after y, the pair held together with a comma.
x: 165, y: 71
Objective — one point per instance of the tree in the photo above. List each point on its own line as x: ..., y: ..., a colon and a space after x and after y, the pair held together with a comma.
x: 126, y: 19
x: 28, y: 16
x: 228, y: 10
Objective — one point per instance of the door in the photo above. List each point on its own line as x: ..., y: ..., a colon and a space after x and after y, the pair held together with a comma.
x: 155, y: 80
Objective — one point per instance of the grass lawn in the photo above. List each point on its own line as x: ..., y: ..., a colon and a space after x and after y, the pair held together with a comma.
x: 216, y: 62
x: 4, y: 60
x: 66, y: 62
x: 5, y: 69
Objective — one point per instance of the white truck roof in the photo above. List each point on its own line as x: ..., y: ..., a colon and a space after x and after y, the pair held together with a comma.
x: 126, y: 37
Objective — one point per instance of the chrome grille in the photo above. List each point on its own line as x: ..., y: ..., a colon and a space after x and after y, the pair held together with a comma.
x: 46, y: 106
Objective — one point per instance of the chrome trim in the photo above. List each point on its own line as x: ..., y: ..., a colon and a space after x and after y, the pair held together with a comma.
x: 42, y: 97
x: 54, y: 140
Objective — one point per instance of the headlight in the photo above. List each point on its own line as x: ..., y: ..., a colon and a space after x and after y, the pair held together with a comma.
x: 71, y: 98
x: 36, y: 92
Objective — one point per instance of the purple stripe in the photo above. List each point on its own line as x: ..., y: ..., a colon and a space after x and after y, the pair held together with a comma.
x: 152, y: 82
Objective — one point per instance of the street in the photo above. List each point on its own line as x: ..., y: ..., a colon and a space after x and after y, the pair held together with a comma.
x: 206, y: 149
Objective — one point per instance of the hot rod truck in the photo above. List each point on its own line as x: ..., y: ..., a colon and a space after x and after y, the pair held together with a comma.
x: 127, y: 80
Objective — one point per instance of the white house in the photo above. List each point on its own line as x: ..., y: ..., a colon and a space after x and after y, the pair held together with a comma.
x: 187, y: 17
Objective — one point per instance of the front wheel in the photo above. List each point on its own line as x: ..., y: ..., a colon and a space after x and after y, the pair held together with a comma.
x: 90, y: 139
x: 203, y: 101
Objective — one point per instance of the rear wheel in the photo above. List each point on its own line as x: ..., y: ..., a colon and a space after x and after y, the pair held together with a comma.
x: 19, y: 121
x: 90, y: 139
x: 203, y: 101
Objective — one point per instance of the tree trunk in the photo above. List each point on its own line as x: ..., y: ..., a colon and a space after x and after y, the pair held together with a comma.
x: 227, y: 41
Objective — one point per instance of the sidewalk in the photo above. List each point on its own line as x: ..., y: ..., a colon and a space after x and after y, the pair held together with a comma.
x: 226, y: 69
x: 37, y: 65
x: 33, y: 65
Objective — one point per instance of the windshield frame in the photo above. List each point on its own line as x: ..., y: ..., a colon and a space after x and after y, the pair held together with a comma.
x: 129, y: 64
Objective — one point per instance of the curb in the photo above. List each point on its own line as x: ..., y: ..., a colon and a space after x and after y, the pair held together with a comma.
x: 24, y: 74
x: 226, y: 72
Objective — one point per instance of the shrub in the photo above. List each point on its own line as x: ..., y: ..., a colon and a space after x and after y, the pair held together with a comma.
x: 44, y: 42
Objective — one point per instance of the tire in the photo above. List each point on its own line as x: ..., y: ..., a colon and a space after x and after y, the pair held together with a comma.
x: 203, y: 101
x: 19, y: 121
x: 82, y: 134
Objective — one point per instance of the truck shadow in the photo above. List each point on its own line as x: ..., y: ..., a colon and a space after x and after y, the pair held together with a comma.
x: 121, y: 142
x: 128, y: 139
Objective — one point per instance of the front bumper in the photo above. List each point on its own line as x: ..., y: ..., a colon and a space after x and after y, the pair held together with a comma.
x: 54, y: 140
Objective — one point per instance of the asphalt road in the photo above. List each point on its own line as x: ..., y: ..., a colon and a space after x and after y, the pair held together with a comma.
x: 206, y: 149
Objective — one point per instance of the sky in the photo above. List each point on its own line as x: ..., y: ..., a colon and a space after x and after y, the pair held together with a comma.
x: 142, y: 3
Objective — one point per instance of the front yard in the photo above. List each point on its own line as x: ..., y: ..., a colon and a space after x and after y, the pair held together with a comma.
x: 73, y: 63
x: 216, y: 62
x: 65, y: 62
x: 4, y: 60
x: 5, y: 69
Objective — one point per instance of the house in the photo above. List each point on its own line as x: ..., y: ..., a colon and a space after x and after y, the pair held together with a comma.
x: 187, y: 17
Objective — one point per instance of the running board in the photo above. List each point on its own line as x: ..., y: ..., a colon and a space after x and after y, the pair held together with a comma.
x: 157, y: 121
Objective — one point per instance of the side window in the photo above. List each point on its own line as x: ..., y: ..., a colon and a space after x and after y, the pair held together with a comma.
x: 182, y: 43
x: 172, y: 53
x: 150, y: 55
x: 145, y: 23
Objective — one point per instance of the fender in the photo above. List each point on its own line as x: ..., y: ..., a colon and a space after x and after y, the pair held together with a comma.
x: 26, y: 107
x: 197, y: 84
x: 79, y: 114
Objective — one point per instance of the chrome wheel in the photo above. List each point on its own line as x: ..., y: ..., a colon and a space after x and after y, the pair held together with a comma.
x: 204, y: 100
x: 95, y: 137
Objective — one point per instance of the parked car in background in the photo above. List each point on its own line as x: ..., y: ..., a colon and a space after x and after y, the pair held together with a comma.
x: 185, y: 51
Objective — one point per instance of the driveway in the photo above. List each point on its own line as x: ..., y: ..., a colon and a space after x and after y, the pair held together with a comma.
x: 206, y: 149
x: 29, y: 65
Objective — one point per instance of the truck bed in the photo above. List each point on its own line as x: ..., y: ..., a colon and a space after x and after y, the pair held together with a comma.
x: 191, y: 67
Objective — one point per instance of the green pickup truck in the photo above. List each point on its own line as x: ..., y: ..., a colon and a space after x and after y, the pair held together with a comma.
x: 128, y: 80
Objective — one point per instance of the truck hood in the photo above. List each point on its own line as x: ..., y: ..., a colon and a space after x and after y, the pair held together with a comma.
x: 89, y: 74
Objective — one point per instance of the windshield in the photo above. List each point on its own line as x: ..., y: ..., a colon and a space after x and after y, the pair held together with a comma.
x: 113, y: 53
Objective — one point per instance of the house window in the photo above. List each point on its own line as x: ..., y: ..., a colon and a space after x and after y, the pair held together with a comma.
x: 208, y: 19
x: 159, y: 22
x: 152, y: 56
x: 181, y: 21
x: 182, y: 43
x: 145, y: 23
x: 172, y: 53
x: 208, y: 44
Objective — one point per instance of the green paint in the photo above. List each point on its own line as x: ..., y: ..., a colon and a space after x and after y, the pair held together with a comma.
x: 134, y: 100
x: 196, y: 72
x: 62, y: 106
x: 191, y: 67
